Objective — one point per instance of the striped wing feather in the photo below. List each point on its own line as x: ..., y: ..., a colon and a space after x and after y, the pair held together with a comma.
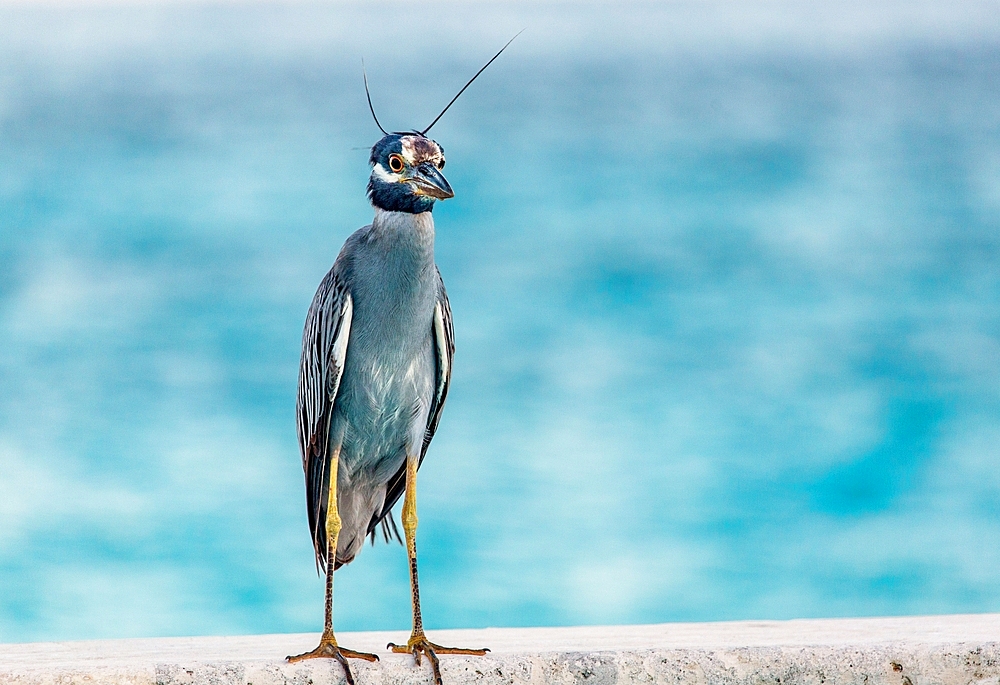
x: 324, y: 349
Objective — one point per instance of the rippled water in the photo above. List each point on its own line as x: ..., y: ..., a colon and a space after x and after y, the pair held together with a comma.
x: 726, y: 285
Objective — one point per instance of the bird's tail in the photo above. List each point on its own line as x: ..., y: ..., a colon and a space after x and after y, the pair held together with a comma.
x: 390, y: 531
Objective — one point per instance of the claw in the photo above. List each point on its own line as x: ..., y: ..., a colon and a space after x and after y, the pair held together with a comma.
x: 328, y: 649
x: 418, y: 644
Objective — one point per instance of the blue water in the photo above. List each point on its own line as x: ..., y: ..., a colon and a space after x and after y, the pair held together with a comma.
x: 726, y: 287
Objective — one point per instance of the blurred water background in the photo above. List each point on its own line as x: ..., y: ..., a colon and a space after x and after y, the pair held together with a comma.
x: 725, y: 278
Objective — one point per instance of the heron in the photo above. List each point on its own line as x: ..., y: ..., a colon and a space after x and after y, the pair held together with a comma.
x: 377, y: 351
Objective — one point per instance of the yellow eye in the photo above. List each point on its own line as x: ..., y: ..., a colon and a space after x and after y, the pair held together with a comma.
x: 395, y: 163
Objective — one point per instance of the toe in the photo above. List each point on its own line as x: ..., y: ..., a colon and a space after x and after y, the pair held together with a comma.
x: 435, y: 665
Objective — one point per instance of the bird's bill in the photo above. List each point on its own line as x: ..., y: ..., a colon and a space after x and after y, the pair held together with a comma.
x: 427, y: 180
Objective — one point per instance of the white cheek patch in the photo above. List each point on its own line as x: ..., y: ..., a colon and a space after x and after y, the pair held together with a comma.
x: 384, y: 175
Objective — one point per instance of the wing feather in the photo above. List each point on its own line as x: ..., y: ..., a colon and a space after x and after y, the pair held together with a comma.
x: 324, y: 349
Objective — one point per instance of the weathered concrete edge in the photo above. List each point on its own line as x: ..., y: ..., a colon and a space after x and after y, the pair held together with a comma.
x: 895, y: 664
x: 905, y: 650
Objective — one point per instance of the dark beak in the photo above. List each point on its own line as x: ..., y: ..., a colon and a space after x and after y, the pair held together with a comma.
x: 429, y: 181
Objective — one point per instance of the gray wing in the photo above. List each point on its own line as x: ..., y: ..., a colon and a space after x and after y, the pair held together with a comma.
x: 444, y: 345
x: 324, y: 349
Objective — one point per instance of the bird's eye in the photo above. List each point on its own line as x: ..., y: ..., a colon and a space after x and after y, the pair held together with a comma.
x: 441, y: 164
x: 395, y: 163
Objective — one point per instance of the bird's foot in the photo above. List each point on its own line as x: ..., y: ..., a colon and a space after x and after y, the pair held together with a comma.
x: 329, y: 649
x: 419, y: 644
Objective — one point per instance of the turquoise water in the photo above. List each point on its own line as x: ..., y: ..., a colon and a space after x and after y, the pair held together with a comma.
x: 726, y: 286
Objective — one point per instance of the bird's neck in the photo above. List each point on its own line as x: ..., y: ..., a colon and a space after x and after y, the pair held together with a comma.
x: 405, y: 231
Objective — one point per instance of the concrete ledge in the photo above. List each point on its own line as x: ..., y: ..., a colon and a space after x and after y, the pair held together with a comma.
x: 900, y: 651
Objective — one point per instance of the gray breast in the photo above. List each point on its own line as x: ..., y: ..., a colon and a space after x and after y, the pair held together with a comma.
x: 389, y: 374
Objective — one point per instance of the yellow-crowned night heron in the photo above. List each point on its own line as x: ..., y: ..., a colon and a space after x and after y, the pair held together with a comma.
x: 376, y: 363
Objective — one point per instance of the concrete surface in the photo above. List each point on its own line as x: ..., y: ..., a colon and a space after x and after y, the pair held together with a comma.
x: 900, y: 651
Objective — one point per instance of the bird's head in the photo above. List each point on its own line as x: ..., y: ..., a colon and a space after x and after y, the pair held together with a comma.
x: 406, y: 174
x: 406, y: 167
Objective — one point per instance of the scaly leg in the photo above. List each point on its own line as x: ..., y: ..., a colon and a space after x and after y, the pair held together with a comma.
x: 328, y: 647
x: 418, y: 642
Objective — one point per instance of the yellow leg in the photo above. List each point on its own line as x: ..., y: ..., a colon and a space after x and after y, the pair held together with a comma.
x: 328, y: 647
x: 418, y: 643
